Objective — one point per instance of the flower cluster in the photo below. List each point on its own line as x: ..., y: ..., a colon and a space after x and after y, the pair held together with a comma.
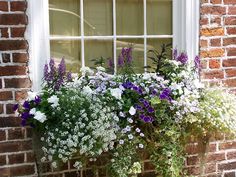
x: 120, y: 115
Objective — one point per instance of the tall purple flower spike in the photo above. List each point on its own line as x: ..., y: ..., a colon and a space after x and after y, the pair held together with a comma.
x: 197, y: 62
x: 175, y: 53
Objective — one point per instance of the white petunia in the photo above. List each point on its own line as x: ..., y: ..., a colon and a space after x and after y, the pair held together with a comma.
x: 33, y: 111
x: 41, y: 117
x: 54, y: 101
x: 130, y: 136
x: 132, y: 111
x: 121, y: 142
x: 85, y: 70
x: 87, y: 91
x: 31, y: 95
x: 116, y: 93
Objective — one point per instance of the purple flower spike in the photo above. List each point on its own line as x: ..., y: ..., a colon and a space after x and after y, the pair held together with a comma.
x: 26, y: 105
x: 120, y: 61
x: 62, y: 68
x: 197, y: 62
x: 183, y: 58
x: 110, y: 63
x: 37, y: 100
x: 69, y: 76
x: 45, y: 73
x: 129, y: 54
x: 175, y: 54
x: 15, y: 107
x: 146, y: 103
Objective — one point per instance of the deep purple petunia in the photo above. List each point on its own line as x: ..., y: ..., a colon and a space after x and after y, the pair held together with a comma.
x: 150, y: 109
x: 165, y: 94
x: 138, y: 107
x: 26, y: 105
x: 25, y: 115
x: 183, y: 58
x: 128, y: 85
x: 15, y: 107
x: 37, y: 99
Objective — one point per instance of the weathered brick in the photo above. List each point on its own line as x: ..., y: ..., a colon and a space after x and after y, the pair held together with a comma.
x: 215, y: 157
x: 10, y: 122
x: 229, y: 174
x: 214, y: 64
x: 230, y: 82
x: 20, y: 57
x: 1, y: 108
x: 13, y: 45
x: 13, y: 19
x: 16, y: 133
x: 229, y: 62
x: 232, y: 10
x: 12, y: 70
x: 18, y: 6
x: 6, y: 57
x: 231, y: 52
x: 229, y: 41
x: 230, y: 72
x: 227, y: 145
x: 218, y: 74
x: 231, y: 30
x: 193, y: 160
x: 4, y: 32
x: 216, y: 20
x: 3, y: 6
x: 15, y: 146
x: 212, y: 53
x: 229, y: 2
x: 212, y: 32
x: 214, y: 10
x: 215, y: 42
x: 210, y: 168
x: 230, y: 20
x: 6, y: 95
x: 193, y: 170
x: 2, y: 135
x: 18, y: 32
x: 203, y: 21
x: 231, y: 155
x: 17, y: 83
x: 2, y: 160
x: 22, y: 170
x: 30, y: 157
x: 203, y: 43
x: 227, y: 166
x: 16, y: 158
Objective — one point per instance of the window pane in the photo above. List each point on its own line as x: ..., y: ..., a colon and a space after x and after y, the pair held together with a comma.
x: 98, y: 17
x: 68, y: 49
x: 95, y: 49
x: 64, y: 17
x: 129, y: 17
x: 155, y: 44
x: 159, y: 17
x: 138, y: 52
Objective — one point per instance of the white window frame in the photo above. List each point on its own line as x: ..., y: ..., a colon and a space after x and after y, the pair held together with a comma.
x: 185, y: 33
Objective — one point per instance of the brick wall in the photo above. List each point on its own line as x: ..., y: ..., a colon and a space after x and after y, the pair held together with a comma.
x: 218, y: 52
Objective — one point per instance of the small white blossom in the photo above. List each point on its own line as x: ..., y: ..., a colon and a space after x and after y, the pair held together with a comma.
x: 132, y: 111
x: 33, y: 111
x: 41, y: 117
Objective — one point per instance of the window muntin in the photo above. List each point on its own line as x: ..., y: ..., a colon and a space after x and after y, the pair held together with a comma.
x: 108, y: 26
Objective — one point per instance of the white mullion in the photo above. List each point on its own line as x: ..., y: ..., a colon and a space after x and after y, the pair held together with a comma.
x: 82, y: 31
x: 145, y: 32
x: 114, y: 36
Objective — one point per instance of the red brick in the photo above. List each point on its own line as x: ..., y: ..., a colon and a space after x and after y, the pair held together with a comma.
x: 17, y: 83
x: 212, y: 53
x: 212, y: 32
x: 22, y: 170
x: 203, y: 21
x: 16, y: 133
x: 10, y: 122
x: 231, y: 155
x: 13, y: 19
x: 229, y: 62
x: 231, y: 51
x: 3, y: 6
x: 2, y: 135
x: 30, y: 157
x: 16, y: 158
x: 230, y: 72
x: 12, y: 70
x: 214, y: 10
x: 2, y: 160
x: 6, y: 95
x: 4, y: 33
x: 231, y: 30
x: 15, y: 146
x: 219, y: 74
x: 215, y: 157
x: 20, y: 57
x: 227, y: 166
x: 18, y: 6
x: 229, y: 41
x: 229, y: 1
x: 214, y: 64
x: 18, y: 32
x: 13, y: 45
x: 230, y: 20
x: 9, y: 109
x: 227, y: 145
x: 216, y: 42
x: 216, y: 20
x: 232, y: 10
x: 203, y: 43
x: 6, y: 57
x: 215, y: 1
x: 230, y: 82
x: 210, y: 168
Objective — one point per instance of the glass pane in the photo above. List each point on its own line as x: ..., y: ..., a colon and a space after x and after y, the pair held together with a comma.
x: 97, y: 17
x: 159, y: 17
x: 155, y: 44
x: 138, y: 52
x: 64, y: 17
x: 129, y: 17
x: 95, y: 49
x: 68, y: 49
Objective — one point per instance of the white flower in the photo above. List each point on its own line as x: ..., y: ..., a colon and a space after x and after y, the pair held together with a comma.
x: 130, y: 136
x: 121, y: 142
x: 132, y: 111
x: 87, y: 91
x: 33, y: 111
x: 130, y: 120
x: 100, y: 68
x: 141, y: 134
x: 85, y: 70
x: 41, y: 117
x: 31, y: 95
x: 140, y: 146
x: 116, y: 93
x: 121, y: 114
x: 54, y: 101
x: 137, y: 130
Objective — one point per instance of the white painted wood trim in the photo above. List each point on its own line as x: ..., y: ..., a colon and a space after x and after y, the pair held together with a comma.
x: 37, y: 34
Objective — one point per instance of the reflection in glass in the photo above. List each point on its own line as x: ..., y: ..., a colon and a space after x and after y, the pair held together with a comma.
x: 155, y: 44
x: 138, y: 52
x: 159, y: 17
x: 64, y: 17
x: 95, y: 49
x: 98, y: 17
x: 70, y: 50
x: 129, y: 17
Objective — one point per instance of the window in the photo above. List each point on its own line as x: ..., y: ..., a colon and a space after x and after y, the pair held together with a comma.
x: 108, y: 26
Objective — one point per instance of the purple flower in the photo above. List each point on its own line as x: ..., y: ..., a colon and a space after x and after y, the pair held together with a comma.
x: 154, y: 92
x: 45, y: 72
x: 165, y: 94
x: 147, y: 119
x: 128, y: 85
x: 110, y: 63
x: 25, y: 115
x: 151, y: 110
x: 69, y: 76
x: 175, y: 54
x: 129, y: 55
x: 197, y: 62
x: 120, y: 61
x: 26, y: 105
x: 62, y: 68
x: 37, y: 100
x: 183, y: 58
x: 15, y: 107
x: 146, y: 103
x: 138, y: 107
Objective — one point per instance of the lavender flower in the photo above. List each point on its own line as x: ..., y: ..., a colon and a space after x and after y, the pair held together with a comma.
x: 62, y: 68
x: 51, y: 74
x: 110, y: 63
x: 183, y: 58
x: 120, y: 61
x: 197, y: 62
x: 69, y: 76
x: 128, y: 85
x: 146, y: 119
x: 175, y: 54
x: 46, y: 73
